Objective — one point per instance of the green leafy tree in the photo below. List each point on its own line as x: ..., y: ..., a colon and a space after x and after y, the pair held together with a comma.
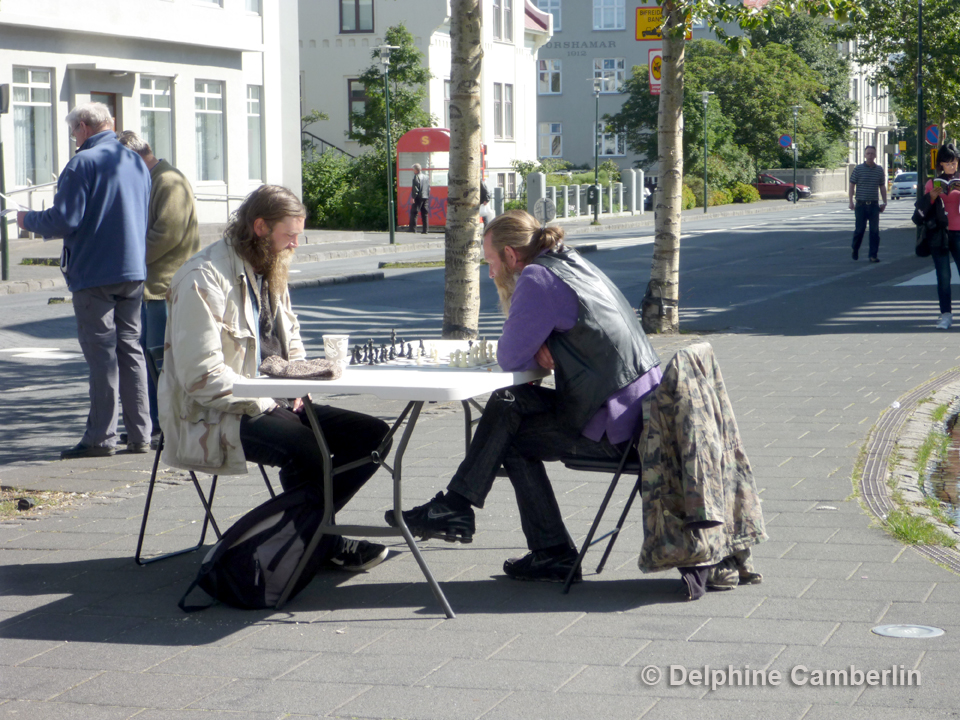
x: 815, y: 40
x: 886, y: 38
x: 408, y: 93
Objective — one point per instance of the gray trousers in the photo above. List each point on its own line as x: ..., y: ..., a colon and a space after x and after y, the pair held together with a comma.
x: 108, y: 327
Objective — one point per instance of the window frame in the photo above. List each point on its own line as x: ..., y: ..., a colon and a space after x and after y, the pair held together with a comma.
x: 197, y: 112
x: 617, y: 7
x: 153, y: 110
x: 498, y: 111
x: 553, y: 130
x: 350, y: 100
x: 615, y: 140
x: 555, y: 8
x: 550, y: 74
x: 356, y: 17
x: 509, y: 125
x: 30, y: 86
x: 618, y: 74
x: 447, y: 93
x: 503, y: 21
x: 259, y: 122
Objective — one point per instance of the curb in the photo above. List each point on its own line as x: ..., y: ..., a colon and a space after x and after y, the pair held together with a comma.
x: 336, y: 280
x: 879, y: 446
x: 12, y: 287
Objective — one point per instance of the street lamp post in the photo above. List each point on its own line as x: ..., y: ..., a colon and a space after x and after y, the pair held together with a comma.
x: 705, y: 95
x: 391, y: 212
x: 597, y: 86
x: 796, y: 193
x: 921, y: 116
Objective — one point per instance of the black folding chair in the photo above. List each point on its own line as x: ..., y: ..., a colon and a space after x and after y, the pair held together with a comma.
x: 154, y: 357
x: 630, y: 464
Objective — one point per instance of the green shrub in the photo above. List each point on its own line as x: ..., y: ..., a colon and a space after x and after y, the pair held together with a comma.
x: 719, y: 197
x: 743, y: 193
x: 688, y: 199
x: 514, y: 205
x: 342, y: 192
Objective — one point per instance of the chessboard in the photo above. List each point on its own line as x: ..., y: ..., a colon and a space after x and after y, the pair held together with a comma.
x: 425, y: 353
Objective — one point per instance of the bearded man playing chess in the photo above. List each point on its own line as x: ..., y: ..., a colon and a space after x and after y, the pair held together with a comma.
x: 565, y: 315
x: 229, y: 309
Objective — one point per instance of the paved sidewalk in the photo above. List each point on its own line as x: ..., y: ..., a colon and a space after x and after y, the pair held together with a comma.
x: 84, y: 633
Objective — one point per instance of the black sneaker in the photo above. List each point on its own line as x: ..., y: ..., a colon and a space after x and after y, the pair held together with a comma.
x: 141, y: 447
x: 358, y: 555
x: 438, y: 520
x: 540, y: 565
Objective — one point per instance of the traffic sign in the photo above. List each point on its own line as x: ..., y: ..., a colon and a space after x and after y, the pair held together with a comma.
x: 786, y: 141
x: 655, y: 68
x: 932, y: 134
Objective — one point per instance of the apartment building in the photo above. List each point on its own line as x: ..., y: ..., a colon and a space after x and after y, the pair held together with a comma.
x: 212, y: 85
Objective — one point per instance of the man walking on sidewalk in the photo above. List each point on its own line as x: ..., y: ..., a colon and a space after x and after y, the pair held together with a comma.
x: 865, y: 181
x: 100, y: 211
x: 420, y: 199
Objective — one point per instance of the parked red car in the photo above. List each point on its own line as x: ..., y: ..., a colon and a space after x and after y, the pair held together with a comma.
x: 770, y: 187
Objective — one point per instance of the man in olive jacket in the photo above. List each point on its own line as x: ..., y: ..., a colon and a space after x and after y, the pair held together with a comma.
x: 173, y: 236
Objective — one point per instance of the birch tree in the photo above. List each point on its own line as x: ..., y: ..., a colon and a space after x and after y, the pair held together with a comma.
x: 461, y: 301
x: 660, y: 306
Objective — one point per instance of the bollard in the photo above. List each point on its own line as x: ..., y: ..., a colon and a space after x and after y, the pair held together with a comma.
x: 576, y: 200
x: 536, y: 189
x: 498, y: 201
x: 640, y: 193
x: 566, y: 200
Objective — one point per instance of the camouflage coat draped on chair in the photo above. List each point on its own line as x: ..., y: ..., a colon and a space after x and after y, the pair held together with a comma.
x: 700, y: 502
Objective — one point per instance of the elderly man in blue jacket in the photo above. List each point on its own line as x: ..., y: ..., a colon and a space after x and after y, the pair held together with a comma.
x: 100, y: 211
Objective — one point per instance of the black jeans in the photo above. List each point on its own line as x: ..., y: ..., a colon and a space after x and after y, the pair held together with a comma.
x: 941, y: 261
x: 867, y: 213
x: 285, y: 439
x: 520, y: 429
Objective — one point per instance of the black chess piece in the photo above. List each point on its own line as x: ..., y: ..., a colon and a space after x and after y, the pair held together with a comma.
x: 421, y: 352
x: 393, y: 337
x: 393, y: 353
x: 409, y: 351
x: 355, y: 357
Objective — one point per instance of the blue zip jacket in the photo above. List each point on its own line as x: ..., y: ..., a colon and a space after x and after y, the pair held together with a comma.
x: 100, y: 211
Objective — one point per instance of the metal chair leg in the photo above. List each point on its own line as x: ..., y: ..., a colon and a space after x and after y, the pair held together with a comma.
x: 588, y: 541
x: 614, y: 534
x: 146, y: 512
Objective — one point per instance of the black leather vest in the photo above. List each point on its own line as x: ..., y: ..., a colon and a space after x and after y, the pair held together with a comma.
x: 605, y: 351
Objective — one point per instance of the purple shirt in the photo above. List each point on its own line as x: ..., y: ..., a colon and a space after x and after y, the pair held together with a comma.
x: 542, y: 304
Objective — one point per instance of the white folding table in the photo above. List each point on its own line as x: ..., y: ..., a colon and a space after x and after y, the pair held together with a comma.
x: 414, y: 384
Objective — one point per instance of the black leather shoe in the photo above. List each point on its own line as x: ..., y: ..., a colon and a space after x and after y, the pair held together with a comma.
x: 874, y: 259
x: 856, y: 254
x: 84, y: 451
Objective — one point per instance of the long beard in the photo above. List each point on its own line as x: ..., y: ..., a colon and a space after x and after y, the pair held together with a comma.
x: 276, y: 270
x: 506, y: 283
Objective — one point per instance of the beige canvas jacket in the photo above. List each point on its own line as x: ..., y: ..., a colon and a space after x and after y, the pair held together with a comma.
x: 212, y: 339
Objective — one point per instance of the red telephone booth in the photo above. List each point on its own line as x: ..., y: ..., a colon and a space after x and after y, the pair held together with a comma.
x: 429, y: 148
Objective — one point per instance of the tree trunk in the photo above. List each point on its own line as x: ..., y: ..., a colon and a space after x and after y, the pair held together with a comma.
x: 461, y: 298
x: 659, y: 309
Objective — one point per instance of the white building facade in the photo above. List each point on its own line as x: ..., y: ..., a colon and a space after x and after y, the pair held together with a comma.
x: 336, y: 45
x: 211, y: 84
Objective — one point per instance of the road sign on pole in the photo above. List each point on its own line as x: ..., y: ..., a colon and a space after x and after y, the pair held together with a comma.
x: 932, y: 134
x: 786, y: 141
x: 655, y: 67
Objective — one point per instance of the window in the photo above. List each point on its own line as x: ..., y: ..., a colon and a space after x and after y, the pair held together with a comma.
x: 512, y: 185
x: 549, y: 77
x: 356, y: 99
x: 503, y: 20
x: 551, y: 141
x: 502, y: 111
x: 446, y: 104
x: 253, y: 6
x: 156, y: 122
x: 608, y: 15
x: 208, y: 102
x: 552, y: 7
x: 502, y: 182
x: 611, y: 143
x: 32, y: 125
x: 254, y: 133
x: 612, y: 71
x: 356, y: 16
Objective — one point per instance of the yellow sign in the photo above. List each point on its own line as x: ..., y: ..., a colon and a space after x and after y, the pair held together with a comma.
x: 903, y: 146
x: 656, y: 67
x: 649, y: 20
x: 933, y: 159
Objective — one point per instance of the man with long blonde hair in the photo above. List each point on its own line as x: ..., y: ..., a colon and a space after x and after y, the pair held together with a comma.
x: 565, y: 315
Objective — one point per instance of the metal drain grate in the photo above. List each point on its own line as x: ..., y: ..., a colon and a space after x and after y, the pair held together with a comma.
x: 873, y: 486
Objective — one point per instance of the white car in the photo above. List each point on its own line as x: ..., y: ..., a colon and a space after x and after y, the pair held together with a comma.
x: 904, y: 186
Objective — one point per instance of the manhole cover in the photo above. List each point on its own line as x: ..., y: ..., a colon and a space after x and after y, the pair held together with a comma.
x: 908, y: 631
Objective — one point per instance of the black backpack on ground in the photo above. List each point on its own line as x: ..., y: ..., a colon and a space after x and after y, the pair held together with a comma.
x: 250, y: 566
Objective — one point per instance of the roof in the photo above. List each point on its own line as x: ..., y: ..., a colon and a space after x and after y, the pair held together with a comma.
x: 535, y: 19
